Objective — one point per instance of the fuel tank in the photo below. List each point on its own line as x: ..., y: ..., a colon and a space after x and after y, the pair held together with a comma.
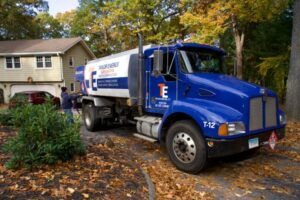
x: 114, y: 75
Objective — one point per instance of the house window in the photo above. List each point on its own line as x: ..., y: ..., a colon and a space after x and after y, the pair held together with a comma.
x: 72, y: 88
x: 13, y: 63
x: 71, y: 61
x: 39, y: 62
x: 86, y: 61
x: 48, y: 62
x: 43, y: 62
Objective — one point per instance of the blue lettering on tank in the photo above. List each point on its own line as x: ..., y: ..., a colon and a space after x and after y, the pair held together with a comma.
x: 117, y: 83
x: 94, y: 81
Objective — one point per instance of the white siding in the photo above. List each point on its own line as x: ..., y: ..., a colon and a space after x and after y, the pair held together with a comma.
x: 28, y: 69
x: 79, y: 55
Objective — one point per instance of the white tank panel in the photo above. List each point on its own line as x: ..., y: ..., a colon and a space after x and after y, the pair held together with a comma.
x: 108, y: 77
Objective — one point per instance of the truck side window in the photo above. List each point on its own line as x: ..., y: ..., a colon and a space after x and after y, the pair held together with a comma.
x: 169, y: 68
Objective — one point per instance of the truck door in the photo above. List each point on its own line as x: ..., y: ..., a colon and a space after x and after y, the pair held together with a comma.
x: 162, y: 88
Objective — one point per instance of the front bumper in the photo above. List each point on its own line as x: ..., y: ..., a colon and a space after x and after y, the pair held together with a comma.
x: 226, y: 147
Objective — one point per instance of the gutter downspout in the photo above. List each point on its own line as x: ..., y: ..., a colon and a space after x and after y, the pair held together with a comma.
x: 140, y: 75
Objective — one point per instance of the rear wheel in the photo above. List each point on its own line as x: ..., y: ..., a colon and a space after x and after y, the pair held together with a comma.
x: 186, y: 146
x: 90, y: 119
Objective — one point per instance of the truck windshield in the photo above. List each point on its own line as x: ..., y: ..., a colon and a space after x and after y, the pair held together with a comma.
x: 197, y: 61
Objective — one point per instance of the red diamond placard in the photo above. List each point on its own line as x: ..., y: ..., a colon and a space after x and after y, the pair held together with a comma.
x: 273, y: 140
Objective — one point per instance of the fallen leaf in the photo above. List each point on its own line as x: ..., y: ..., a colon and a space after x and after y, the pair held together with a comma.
x: 238, y: 195
x: 202, y: 194
x: 71, y: 190
x: 260, y: 187
x: 85, y: 195
x: 128, y: 195
x: 43, y: 192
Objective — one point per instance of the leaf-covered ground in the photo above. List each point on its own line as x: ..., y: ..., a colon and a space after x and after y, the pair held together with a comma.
x: 268, y: 174
x: 104, y: 173
x: 112, y: 170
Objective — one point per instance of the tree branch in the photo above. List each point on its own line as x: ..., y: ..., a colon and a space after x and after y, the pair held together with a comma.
x: 164, y: 18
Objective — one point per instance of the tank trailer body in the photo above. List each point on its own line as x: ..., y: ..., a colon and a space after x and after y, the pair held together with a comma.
x: 178, y: 95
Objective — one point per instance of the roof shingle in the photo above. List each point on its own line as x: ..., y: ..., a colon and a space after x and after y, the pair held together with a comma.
x: 37, y: 46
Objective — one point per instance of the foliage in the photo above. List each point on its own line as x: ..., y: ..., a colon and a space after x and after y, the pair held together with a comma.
x: 66, y: 20
x: 268, y: 43
x: 49, y: 27
x: 274, y: 70
x: 111, y: 26
x: 5, y: 118
x: 18, y: 99
x: 17, y: 18
x: 251, y: 31
x: 208, y: 21
x: 82, y: 178
x: 44, y: 136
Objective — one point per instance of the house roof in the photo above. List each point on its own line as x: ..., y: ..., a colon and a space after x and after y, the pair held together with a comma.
x: 40, y: 46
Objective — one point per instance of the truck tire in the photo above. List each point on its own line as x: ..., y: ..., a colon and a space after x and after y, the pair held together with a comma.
x: 186, y: 147
x: 90, y: 117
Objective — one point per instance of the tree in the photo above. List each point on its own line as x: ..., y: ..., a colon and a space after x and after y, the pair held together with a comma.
x: 267, y: 52
x: 17, y: 18
x: 66, y: 20
x: 111, y: 26
x: 210, y: 19
x: 293, y: 82
x: 49, y: 27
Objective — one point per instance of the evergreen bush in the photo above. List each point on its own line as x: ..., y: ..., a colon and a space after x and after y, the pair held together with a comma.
x: 43, y: 137
x: 5, y: 118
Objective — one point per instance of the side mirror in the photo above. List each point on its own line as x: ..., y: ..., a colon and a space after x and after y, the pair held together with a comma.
x: 158, y: 62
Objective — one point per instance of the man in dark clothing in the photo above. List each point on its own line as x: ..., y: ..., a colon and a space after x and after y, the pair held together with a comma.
x: 67, y: 103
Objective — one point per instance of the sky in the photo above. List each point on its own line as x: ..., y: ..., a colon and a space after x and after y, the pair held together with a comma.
x: 56, y: 6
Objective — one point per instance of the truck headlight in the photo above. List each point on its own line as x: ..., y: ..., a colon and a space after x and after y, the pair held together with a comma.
x: 231, y: 128
x: 282, y: 119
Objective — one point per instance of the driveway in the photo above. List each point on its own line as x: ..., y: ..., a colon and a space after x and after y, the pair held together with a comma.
x: 268, y: 174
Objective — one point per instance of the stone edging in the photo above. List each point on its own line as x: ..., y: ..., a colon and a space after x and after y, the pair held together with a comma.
x: 150, y: 184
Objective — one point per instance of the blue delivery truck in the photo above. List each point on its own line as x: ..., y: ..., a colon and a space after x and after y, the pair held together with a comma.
x: 178, y: 95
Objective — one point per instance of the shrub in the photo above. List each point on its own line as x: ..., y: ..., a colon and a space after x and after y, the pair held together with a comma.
x: 5, y: 118
x: 44, y: 137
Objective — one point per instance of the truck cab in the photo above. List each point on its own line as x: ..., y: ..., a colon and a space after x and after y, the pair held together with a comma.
x: 192, y: 107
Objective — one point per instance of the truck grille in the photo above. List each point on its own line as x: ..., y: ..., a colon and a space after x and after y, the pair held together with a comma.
x: 271, y: 112
x: 256, y: 113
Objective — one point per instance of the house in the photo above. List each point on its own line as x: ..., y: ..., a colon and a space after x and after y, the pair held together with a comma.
x: 28, y: 65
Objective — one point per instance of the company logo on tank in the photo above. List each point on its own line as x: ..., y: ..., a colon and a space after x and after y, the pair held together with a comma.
x: 109, y: 65
x: 108, y: 69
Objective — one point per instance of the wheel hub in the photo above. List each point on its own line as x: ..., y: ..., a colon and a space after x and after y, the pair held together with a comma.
x: 184, y: 147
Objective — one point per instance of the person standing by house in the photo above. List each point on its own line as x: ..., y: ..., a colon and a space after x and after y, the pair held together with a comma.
x: 67, y: 103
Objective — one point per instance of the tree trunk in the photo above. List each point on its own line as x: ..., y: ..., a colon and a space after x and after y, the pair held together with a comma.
x: 293, y: 82
x: 239, y: 46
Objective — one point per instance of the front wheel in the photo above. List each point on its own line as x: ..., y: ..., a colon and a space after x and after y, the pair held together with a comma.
x: 186, y: 146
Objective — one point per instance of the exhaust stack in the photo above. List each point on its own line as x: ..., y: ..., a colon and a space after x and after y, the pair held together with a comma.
x: 140, y: 75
